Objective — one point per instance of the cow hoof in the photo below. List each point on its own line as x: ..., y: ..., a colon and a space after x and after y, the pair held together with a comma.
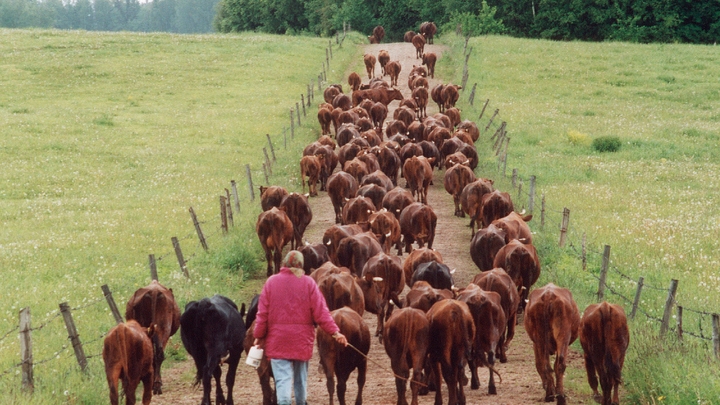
x: 561, y: 399
x: 598, y: 398
x: 492, y: 390
x: 549, y: 398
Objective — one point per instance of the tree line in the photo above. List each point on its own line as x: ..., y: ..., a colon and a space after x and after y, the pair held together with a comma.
x: 688, y: 21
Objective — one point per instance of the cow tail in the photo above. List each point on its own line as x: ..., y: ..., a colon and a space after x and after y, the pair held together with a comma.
x: 277, y: 235
x: 612, y: 364
x: 464, y: 332
x: 121, y: 341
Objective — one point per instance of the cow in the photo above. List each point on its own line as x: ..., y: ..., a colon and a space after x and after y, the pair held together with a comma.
x: 379, y: 33
x: 275, y: 230
x: 455, y: 180
x: 354, y: 251
x: 418, y: 42
x: 329, y: 161
x: 423, y: 296
x: 374, y: 192
x: 407, y: 335
x: 378, y: 177
x: 341, y: 186
x: 451, y: 334
x: 438, y: 275
x: 396, y: 127
x: 357, y: 210
x: 383, y: 58
x: 369, y: 60
x: 338, y: 360
x: 404, y: 114
x: 155, y: 305
x: 450, y: 145
x: 495, y: 205
x: 331, y: 91
x: 454, y: 159
x: 393, y: 69
x: 382, y: 95
x: 417, y: 224
x: 354, y: 81
x: 471, y: 128
x: 408, y: 36
x: 348, y: 152
x: 346, y: 133
x: 343, y: 102
x: 298, y: 210
x: 419, y: 81
x: 340, y: 289
x: 515, y: 227
x: 439, y: 135
x: 416, y: 258
x: 471, y: 198
x: 497, y: 280
x: 450, y: 95
x: 370, y: 160
x: 128, y: 356
x: 418, y: 173
x: 490, y: 325
x: 552, y: 321
x: 521, y: 263
x: 420, y: 94
x: 378, y: 112
x: 454, y: 114
x: 311, y: 166
x: 484, y: 246
x: 386, y: 228
x: 357, y: 168
x: 415, y: 130
x: 264, y: 370
x: 471, y: 153
x: 436, y: 95
x: 334, y: 234
x: 604, y: 337
x: 213, y: 332
x: 382, y: 281
x: 428, y: 30
x: 429, y: 59
x: 324, y: 117
x: 314, y: 255
x: 271, y: 196
x: 396, y: 200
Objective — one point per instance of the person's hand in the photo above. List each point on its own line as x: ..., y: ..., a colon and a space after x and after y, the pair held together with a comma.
x: 340, y: 338
x: 259, y: 343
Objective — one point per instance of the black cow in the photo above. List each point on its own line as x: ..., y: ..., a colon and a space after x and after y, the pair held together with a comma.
x: 210, y: 329
x: 436, y: 274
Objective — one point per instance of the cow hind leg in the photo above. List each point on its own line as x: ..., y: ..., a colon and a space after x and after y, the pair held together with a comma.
x: 592, y: 377
x: 269, y: 260
x: 474, y: 379
x: 277, y: 258
x: 129, y: 388
x: 147, y: 381
x: 230, y: 377
x: 219, y: 397
x: 113, y: 377
x: 362, y: 370
x: 492, y: 390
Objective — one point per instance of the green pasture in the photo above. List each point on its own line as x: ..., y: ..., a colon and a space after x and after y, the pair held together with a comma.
x: 654, y: 201
x: 106, y: 140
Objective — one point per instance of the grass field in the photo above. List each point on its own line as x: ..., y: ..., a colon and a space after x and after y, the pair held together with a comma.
x: 654, y: 201
x: 106, y: 140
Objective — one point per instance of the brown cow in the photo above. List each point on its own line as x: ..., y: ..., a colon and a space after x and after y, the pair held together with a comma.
x: 381, y: 282
x: 418, y: 173
x: 415, y: 131
x: 271, y: 196
x: 454, y: 114
x: 436, y: 95
x: 495, y: 205
x: 396, y: 200
x: 396, y: 127
x: 354, y: 81
x: 450, y: 95
x: 439, y: 135
x: 329, y: 268
x: 383, y: 58
x: 331, y: 92
x: 343, y: 102
x: 420, y: 94
x: 418, y: 257
x: 407, y: 338
x: 471, y: 199
x: 418, y: 42
x: 484, y: 246
x: 340, y: 290
x: 515, y: 227
x: 393, y: 69
x: 408, y: 36
x: 369, y: 60
x: 386, y: 228
x: 338, y: 360
x: 471, y: 128
x: 155, y: 305
x: 552, y: 321
x: 404, y: 114
x: 357, y: 210
x: 324, y: 117
x: 428, y: 30
x: 378, y: 177
x: 374, y: 192
x: 419, y: 81
x: 275, y: 230
x: 423, y: 296
x: 379, y: 33
x: 354, y: 251
x: 429, y: 60
x: 314, y: 256
x: 451, y: 334
x: 455, y: 180
x: 522, y: 264
x: 357, y: 168
x: 370, y: 160
x: 382, y: 95
x: 490, y: 325
x: 604, y: 337
x: 311, y: 167
x: 333, y: 235
x: 497, y: 280
x: 297, y: 208
x: 471, y: 153
x: 378, y: 112
x: 128, y: 356
x: 346, y: 133
x: 341, y: 186
x: 417, y: 224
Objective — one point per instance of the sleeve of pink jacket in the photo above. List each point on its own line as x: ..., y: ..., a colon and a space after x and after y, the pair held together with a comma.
x: 320, y: 312
x: 261, y: 318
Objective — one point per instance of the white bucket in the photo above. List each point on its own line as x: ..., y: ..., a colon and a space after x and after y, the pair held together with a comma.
x: 254, y: 356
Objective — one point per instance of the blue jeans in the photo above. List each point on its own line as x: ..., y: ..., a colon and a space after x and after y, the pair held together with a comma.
x: 290, y: 375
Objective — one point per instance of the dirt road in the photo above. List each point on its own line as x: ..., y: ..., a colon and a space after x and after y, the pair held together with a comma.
x: 520, y: 382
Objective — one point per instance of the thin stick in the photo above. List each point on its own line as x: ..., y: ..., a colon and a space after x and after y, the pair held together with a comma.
x: 381, y: 366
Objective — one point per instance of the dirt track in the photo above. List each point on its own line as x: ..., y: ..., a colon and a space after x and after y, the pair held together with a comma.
x: 520, y: 382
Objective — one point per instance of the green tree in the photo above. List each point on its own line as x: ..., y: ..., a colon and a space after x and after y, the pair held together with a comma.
x: 320, y: 16
x: 359, y: 14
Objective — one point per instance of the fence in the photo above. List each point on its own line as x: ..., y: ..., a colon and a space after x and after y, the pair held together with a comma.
x: 706, y: 324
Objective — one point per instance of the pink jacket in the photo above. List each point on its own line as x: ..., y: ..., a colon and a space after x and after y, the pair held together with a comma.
x: 288, y: 310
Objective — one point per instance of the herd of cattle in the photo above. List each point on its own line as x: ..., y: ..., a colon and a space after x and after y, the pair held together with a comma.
x: 437, y: 329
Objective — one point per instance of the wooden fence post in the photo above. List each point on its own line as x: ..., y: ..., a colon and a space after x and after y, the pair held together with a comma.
x: 514, y: 178
x: 309, y: 86
x: 111, y: 303
x: 265, y: 173
x: 73, y: 336
x: 716, y: 335
x: 584, y: 252
x: 564, y: 226
x: 520, y: 189
x: 330, y: 47
x: 228, y: 205
x: 679, y: 323
x: 497, y: 110
x: 302, y: 101
x: 531, y: 200
x: 636, y: 301
x: 483, y: 109
x: 272, y: 149
x: 504, y: 159
x: 665, y: 325
x: 471, y: 99
x: 603, y: 273
x: 233, y: 185
x: 180, y: 257
x: 198, y: 229
x: 292, y: 125
x: 319, y: 82
x: 267, y: 161
x: 327, y: 57
x: 542, y: 212
x: 26, y: 356
x: 153, y: 267
x: 297, y: 109
x: 250, y: 182
x: 223, y: 215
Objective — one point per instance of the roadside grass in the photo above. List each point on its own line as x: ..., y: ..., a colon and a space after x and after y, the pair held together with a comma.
x: 107, y: 139
x: 653, y: 201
